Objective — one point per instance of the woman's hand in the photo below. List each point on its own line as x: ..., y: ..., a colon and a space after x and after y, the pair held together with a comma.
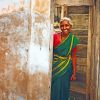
x: 73, y: 77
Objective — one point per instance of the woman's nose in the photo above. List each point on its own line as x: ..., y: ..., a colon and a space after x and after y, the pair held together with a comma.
x: 64, y: 27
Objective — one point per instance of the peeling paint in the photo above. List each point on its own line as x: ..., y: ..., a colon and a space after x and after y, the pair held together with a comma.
x: 21, y: 98
x: 24, y: 54
x: 40, y: 60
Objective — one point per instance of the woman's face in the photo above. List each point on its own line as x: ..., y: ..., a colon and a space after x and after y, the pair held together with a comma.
x: 65, y: 27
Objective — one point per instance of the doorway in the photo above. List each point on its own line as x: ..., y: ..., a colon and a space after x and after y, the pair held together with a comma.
x: 81, y: 16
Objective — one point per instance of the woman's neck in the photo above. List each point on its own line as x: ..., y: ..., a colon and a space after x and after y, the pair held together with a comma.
x: 64, y: 36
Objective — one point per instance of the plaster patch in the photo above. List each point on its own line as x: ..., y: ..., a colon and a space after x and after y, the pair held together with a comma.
x: 38, y: 59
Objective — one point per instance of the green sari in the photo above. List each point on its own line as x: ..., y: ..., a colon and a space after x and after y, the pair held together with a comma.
x: 62, y: 68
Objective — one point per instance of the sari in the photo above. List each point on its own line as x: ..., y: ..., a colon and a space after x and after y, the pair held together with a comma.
x: 62, y: 68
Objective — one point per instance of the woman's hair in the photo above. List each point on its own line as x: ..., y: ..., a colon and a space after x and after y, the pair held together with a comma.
x: 68, y: 19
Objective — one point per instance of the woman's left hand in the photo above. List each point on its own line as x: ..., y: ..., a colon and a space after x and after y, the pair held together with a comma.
x: 73, y: 77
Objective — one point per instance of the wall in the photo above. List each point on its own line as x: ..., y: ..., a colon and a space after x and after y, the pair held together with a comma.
x: 25, y: 52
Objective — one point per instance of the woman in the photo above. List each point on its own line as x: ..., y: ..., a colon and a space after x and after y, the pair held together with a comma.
x: 64, y: 61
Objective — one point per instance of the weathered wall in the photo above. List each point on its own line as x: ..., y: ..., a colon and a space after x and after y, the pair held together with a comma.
x: 13, y: 55
x: 24, y: 53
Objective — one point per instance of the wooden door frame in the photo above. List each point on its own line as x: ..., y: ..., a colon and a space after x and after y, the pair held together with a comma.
x: 95, y: 58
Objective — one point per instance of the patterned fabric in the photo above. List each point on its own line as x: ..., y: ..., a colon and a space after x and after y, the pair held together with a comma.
x: 62, y: 67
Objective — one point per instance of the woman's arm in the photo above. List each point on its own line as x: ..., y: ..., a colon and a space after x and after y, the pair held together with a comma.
x: 74, y: 60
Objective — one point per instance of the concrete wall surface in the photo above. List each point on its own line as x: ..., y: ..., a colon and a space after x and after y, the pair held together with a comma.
x: 25, y: 51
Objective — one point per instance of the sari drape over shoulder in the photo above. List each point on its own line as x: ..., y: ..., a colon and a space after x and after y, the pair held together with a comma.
x: 62, y: 67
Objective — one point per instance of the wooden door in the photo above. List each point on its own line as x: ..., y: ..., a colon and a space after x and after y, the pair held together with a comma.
x: 80, y: 17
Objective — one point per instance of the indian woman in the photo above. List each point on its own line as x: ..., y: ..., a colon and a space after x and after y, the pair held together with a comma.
x: 64, y: 60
